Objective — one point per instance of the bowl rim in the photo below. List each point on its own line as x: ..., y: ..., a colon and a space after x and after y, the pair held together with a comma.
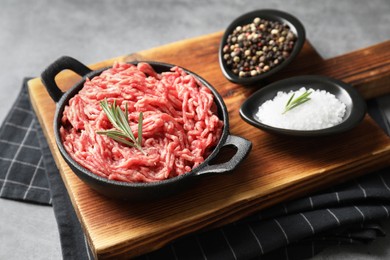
x: 358, y: 109
x: 137, y: 185
x: 269, y: 14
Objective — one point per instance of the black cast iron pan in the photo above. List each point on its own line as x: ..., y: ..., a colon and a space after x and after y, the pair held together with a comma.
x: 140, y: 191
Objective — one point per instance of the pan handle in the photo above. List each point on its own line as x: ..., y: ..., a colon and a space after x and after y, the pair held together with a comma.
x: 49, y: 74
x: 243, y: 147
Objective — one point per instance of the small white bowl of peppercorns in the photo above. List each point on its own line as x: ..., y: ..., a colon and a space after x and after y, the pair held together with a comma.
x: 259, y: 44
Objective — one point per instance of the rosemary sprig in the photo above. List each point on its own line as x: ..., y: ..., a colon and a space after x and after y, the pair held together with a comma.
x: 291, y: 103
x: 119, y: 120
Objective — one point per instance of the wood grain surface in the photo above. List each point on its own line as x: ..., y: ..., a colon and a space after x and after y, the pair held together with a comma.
x: 277, y: 169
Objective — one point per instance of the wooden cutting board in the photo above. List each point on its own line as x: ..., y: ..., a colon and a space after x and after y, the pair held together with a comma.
x: 277, y: 169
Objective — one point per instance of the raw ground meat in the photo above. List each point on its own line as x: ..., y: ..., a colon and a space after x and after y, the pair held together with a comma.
x: 180, y: 125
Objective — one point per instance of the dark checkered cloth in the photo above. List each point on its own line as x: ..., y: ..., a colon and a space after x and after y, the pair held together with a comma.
x: 347, y: 214
x: 22, y: 174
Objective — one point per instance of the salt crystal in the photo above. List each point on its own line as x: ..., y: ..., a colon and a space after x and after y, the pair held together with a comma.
x: 323, y: 110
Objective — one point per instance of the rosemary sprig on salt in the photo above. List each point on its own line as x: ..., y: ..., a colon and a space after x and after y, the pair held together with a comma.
x: 323, y: 111
x: 291, y: 103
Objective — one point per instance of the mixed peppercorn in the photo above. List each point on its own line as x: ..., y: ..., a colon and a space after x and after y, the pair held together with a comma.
x: 258, y: 47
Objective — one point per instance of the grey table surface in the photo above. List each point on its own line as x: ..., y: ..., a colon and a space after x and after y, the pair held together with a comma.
x: 34, y: 33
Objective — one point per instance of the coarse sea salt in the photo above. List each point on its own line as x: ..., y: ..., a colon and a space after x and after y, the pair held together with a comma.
x: 323, y: 110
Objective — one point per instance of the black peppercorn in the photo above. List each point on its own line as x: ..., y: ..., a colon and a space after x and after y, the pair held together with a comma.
x: 255, y: 48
